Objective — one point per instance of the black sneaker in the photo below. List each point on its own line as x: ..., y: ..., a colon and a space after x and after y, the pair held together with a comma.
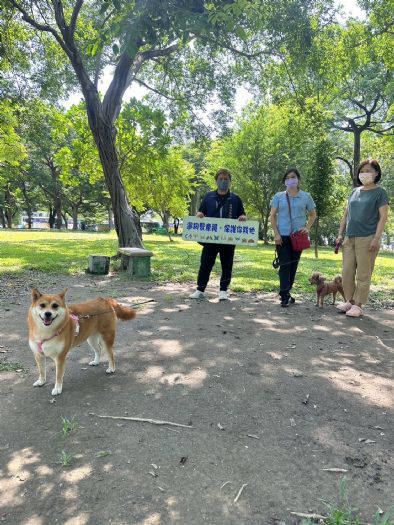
x: 285, y: 302
x: 292, y: 300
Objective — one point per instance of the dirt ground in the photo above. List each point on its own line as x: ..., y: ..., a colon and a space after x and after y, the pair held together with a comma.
x: 272, y: 396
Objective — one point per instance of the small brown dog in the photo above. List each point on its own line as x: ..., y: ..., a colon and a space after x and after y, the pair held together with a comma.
x: 55, y: 328
x: 324, y: 288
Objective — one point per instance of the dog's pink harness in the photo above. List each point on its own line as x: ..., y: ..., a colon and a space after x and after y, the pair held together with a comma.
x: 74, y: 317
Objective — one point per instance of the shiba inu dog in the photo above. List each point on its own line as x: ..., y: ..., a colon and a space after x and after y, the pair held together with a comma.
x: 55, y: 328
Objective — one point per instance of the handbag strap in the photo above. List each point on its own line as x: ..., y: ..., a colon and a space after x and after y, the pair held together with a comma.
x: 288, y: 203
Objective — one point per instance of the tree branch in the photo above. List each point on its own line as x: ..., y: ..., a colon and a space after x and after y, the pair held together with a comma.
x: 348, y: 163
x: 155, y: 90
x: 40, y: 27
x: 381, y: 131
x: 74, y: 16
x: 125, y: 72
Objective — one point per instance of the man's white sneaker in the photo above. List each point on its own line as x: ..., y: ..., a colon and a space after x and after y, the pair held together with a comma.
x: 223, y: 295
x: 197, y: 295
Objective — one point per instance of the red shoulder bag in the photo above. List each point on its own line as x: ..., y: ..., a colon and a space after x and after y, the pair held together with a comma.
x: 299, y: 240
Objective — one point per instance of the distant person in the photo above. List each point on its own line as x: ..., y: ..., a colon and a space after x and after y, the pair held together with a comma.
x: 176, y: 225
x: 221, y: 204
x: 301, y: 204
x: 364, y: 221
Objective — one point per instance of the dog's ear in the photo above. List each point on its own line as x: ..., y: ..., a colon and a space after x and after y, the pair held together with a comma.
x: 35, y: 294
x: 63, y: 293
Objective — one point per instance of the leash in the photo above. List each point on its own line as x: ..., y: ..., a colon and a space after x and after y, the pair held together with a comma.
x: 108, y: 311
x: 276, y: 264
x: 76, y: 319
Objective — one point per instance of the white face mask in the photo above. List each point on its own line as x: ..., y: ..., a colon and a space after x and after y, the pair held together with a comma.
x: 366, y: 178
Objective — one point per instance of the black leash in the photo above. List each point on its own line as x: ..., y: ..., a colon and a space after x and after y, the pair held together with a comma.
x: 276, y: 264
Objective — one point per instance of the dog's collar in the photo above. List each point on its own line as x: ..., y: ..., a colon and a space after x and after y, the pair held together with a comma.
x: 58, y: 332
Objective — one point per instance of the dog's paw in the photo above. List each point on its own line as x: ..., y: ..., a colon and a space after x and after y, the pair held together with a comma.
x: 39, y: 382
x: 94, y: 363
x: 110, y: 370
x: 57, y: 390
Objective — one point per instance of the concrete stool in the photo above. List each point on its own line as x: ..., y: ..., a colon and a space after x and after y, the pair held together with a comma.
x: 98, y: 264
x: 136, y: 261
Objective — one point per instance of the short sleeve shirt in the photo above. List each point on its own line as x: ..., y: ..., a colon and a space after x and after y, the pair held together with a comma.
x: 300, y: 204
x: 363, y: 211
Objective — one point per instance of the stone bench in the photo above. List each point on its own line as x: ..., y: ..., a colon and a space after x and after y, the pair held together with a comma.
x: 136, y: 261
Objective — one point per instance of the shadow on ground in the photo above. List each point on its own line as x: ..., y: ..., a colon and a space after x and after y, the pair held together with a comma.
x: 274, y: 396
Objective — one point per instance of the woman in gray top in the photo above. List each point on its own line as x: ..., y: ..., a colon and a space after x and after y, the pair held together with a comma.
x: 364, y: 220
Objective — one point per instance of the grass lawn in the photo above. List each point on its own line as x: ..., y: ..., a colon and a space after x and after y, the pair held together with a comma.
x: 66, y: 252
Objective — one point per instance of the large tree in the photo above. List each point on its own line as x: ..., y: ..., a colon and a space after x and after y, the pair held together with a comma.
x: 130, y: 34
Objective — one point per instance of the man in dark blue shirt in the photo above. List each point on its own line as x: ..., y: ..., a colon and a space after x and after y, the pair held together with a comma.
x: 223, y: 204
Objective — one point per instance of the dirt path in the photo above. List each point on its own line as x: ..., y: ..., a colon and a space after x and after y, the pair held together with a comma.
x: 275, y: 396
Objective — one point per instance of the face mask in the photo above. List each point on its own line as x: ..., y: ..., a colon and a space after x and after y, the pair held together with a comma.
x: 223, y: 185
x: 291, y: 183
x: 366, y: 178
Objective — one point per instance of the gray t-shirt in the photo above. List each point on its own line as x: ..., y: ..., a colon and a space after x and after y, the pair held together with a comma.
x: 363, y: 211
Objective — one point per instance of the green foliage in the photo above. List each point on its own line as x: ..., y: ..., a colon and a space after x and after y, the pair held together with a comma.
x: 68, y: 426
x: 343, y: 513
x: 11, y: 366
x: 66, y: 459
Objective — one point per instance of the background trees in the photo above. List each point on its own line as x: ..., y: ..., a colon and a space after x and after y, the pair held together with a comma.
x: 131, y: 35
x: 322, y: 90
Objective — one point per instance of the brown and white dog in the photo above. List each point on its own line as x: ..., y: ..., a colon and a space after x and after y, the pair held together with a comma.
x: 55, y: 328
x: 324, y: 288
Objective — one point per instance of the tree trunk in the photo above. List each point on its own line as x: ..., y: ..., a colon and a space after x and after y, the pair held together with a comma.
x: 110, y: 217
x: 8, y: 206
x: 51, y: 219
x: 29, y: 209
x: 265, y: 227
x: 317, y: 237
x: 2, y: 218
x: 74, y: 208
x: 127, y: 222
x: 356, y: 154
x: 58, y: 213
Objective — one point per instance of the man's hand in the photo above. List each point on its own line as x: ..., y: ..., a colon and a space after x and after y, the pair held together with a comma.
x: 200, y: 214
x: 242, y: 218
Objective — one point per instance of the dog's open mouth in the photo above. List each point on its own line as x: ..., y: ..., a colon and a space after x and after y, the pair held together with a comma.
x: 48, y: 320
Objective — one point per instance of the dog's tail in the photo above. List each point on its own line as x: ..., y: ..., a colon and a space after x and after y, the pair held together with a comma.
x: 338, y: 279
x: 122, y: 312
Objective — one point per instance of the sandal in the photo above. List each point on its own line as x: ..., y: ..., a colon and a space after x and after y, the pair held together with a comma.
x: 355, y: 311
x: 344, y: 307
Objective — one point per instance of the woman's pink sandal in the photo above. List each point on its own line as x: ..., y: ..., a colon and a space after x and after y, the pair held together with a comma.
x: 355, y: 311
x: 344, y: 307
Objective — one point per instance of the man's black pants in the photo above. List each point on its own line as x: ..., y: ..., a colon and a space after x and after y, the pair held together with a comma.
x: 208, y: 258
x: 288, y: 260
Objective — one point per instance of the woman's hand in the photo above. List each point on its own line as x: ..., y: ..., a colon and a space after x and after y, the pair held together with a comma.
x: 304, y: 230
x: 199, y: 214
x: 339, y: 240
x: 278, y: 239
x: 374, y: 245
x: 242, y: 218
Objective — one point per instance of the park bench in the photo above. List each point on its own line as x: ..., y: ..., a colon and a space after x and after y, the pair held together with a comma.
x: 136, y: 261
x: 160, y: 231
